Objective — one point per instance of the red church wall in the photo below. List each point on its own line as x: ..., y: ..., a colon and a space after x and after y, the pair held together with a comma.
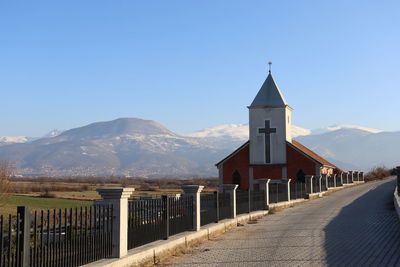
x: 240, y: 162
x: 296, y: 161
x: 265, y: 171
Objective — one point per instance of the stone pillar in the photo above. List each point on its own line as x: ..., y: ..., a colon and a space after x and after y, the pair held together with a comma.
x: 231, y: 190
x: 264, y: 186
x: 287, y: 188
x: 118, y: 198
x: 194, y: 191
x: 309, y: 184
x: 334, y: 180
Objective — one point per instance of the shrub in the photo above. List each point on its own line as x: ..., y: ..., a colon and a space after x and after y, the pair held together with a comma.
x: 378, y: 173
x: 6, y: 172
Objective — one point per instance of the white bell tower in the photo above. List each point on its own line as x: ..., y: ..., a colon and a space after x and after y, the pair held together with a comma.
x: 270, y: 123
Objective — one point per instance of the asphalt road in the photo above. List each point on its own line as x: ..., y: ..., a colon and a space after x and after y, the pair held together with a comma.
x: 353, y: 227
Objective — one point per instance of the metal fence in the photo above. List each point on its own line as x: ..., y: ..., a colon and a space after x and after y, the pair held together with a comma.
x: 277, y: 192
x: 338, y: 180
x: 154, y: 219
x: 324, y: 184
x: 257, y: 199
x: 209, y: 212
x: 331, y: 181
x: 67, y: 237
x: 298, y: 190
x: 242, y: 202
x: 316, y: 186
x: 224, y: 206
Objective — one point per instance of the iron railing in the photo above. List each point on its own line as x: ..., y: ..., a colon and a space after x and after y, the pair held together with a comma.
x: 316, y: 186
x: 338, y: 180
x: 62, y: 237
x: 331, y: 181
x: 224, y: 206
x: 154, y: 219
x: 209, y: 212
x: 277, y: 192
x: 298, y: 190
x: 257, y: 199
x: 242, y: 202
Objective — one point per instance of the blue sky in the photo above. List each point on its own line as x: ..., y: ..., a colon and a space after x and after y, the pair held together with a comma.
x: 195, y: 64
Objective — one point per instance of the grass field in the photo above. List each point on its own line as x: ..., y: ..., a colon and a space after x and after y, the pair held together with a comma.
x: 36, y: 203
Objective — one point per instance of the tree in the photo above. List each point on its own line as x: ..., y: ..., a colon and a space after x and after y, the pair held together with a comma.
x: 6, y: 172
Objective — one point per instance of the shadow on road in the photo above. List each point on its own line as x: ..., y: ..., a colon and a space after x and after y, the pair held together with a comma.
x: 366, y: 232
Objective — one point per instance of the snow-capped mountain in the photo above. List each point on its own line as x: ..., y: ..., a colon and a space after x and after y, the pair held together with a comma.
x: 237, y: 131
x: 136, y: 147
x: 128, y: 146
x: 343, y: 126
x: 6, y: 140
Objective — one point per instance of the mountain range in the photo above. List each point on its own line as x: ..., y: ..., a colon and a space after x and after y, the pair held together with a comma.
x: 144, y: 148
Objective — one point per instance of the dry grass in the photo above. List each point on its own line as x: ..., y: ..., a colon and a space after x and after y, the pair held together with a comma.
x: 85, y: 188
x: 378, y: 173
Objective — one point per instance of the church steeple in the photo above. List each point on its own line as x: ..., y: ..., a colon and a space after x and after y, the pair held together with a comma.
x: 269, y: 95
x: 270, y: 119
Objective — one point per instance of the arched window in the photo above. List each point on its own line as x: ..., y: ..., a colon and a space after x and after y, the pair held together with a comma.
x: 236, y: 178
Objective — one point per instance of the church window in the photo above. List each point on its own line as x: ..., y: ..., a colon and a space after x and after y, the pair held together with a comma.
x: 236, y: 178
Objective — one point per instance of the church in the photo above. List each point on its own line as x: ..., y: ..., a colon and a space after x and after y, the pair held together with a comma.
x: 271, y: 152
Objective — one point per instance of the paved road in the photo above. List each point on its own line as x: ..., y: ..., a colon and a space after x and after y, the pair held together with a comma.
x: 353, y: 227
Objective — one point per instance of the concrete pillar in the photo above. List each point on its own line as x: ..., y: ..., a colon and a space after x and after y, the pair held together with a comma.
x: 231, y: 190
x: 287, y: 188
x: 194, y: 191
x: 334, y: 180
x: 309, y: 184
x: 118, y: 198
x: 264, y: 186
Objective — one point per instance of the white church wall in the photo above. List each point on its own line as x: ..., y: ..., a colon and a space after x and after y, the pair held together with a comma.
x: 280, y: 118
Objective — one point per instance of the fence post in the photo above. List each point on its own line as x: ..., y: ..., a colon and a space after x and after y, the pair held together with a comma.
x: 194, y: 191
x: 287, y: 188
x: 264, y: 186
x: 231, y: 190
x: 25, y: 230
x: 216, y: 194
x: 309, y: 184
x: 319, y: 178
x: 118, y: 198
x: 165, y: 201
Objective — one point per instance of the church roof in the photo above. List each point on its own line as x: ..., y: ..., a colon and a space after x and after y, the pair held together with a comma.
x: 269, y: 94
x: 311, y: 154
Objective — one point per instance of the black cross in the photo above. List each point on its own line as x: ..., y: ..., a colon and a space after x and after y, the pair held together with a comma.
x: 267, y: 134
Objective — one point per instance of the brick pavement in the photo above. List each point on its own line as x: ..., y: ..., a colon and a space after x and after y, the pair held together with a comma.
x: 353, y: 227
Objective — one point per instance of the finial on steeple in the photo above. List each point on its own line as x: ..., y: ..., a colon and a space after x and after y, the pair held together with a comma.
x: 270, y: 63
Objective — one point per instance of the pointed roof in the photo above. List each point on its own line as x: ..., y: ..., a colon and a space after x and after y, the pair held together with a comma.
x: 269, y: 94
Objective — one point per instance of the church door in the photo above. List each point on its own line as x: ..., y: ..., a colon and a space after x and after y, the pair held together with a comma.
x: 236, y: 178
